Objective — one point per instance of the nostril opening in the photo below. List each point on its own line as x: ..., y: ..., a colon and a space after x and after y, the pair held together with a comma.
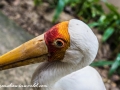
x: 40, y: 40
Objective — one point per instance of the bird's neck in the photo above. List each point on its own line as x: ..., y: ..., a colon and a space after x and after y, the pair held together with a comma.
x: 49, y: 73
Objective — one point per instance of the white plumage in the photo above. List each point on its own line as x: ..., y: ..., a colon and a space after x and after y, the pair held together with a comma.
x: 67, y: 74
x: 85, y: 79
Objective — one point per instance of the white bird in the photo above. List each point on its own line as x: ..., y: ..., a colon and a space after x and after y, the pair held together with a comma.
x: 65, y: 52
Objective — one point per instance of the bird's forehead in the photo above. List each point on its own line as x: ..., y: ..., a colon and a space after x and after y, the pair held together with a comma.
x: 59, y: 31
x: 63, y: 29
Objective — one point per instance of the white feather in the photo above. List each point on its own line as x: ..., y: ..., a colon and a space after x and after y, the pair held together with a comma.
x: 85, y: 79
x: 64, y: 75
x: 83, y: 43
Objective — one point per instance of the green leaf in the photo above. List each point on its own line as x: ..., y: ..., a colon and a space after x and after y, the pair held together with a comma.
x: 101, y: 63
x: 59, y: 9
x: 112, y: 8
x: 94, y: 24
x: 102, y: 18
x: 109, y: 31
x: 115, y: 65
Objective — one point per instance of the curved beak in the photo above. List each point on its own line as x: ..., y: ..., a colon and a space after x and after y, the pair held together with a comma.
x: 33, y: 51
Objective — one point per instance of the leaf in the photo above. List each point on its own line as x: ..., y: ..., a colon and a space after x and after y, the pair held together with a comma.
x: 112, y: 8
x: 115, y: 65
x: 102, y: 19
x: 59, y: 9
x: 93, y: 24
x: 109, y: 31
x: 101, y: 63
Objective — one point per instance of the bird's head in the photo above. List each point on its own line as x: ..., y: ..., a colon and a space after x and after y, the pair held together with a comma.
x: 69, y: 42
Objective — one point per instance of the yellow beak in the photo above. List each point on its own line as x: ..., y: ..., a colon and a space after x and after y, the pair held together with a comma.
x: 33, y: 51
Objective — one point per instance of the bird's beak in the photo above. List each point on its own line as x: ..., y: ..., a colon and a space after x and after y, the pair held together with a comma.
x: 32, y: 51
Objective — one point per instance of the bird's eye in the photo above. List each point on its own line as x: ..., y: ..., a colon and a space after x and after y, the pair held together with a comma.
x: 59, y: 43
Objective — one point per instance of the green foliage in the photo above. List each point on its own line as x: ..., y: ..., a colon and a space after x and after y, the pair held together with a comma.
x: 109, y: 24
x: 59, y: 9
x: 101, y: 63
x: 107, y: 33
x: 81, y: 8
x: 115, y: 65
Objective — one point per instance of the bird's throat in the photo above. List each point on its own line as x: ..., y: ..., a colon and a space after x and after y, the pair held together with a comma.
x: 50, y: 73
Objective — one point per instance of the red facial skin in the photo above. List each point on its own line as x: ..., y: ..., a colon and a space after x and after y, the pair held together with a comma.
x: 60, y: 32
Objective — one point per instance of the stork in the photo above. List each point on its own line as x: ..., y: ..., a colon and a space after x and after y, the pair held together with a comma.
x: 65, y: 53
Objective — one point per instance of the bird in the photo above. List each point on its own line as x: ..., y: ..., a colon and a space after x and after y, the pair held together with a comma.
x: 64, y: 52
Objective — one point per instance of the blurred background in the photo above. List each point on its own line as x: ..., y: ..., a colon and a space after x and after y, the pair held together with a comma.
x: 21, y: 20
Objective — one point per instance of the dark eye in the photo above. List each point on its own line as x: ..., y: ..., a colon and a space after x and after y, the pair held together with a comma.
x: 59, y: 43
